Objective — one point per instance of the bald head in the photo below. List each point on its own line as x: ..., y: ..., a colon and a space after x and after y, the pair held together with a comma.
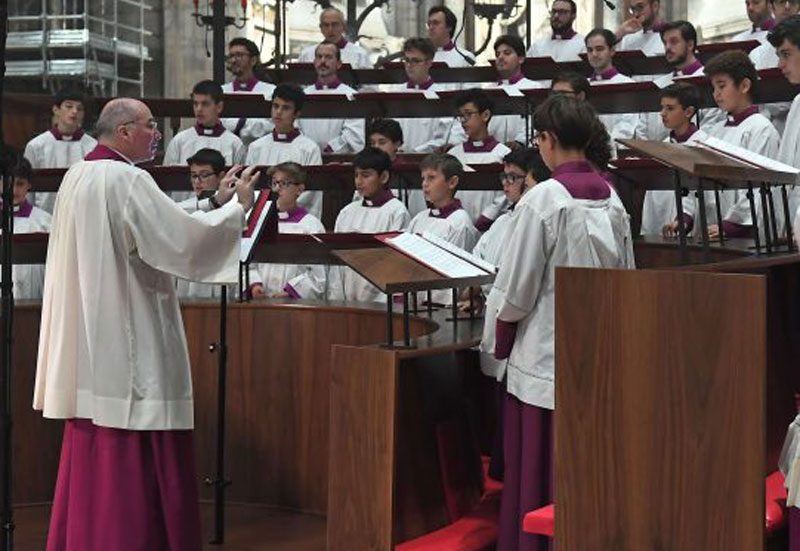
x: 331, y: 13
x: 331, y: 24
x: 127, y: 125
x: 117, y: 112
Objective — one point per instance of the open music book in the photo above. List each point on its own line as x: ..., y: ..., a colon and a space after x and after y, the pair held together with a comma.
x: 438, y: 255
x: 744, y: 155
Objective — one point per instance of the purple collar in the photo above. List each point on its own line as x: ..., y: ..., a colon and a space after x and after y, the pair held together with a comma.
x: 480, y: 147
x: 62, y: 137
x: 104, y: 153
x: 681, y: 138
x: 292, y: 217
x: 23, y: 210
x: 582, y: 181
x: 445, y: 211
x: 569, y: 34
x: 513, y: 79
x: 424, y: 86
x: 608, y: 74
x: 214, y: 132
x: 247, y: 86
x: 380, y: 199
x: 768, y: 25
x: 341, y: 43
x: 658, y: 26
x: 285, y: 138
x: 329, y: 86
x: 449, y: 46
x: 736, y: 120
x: 690, y: 69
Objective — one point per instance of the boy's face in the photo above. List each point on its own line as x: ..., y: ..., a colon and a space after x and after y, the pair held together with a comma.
x: 385, y: 144
x: 507, y: 60
x: 325, y: 62
x: 21, y: 188
x: 203, y: 177
x: 437, y: 189
x: 206, y: 111
x: 513, y: 179
x: 789, y: 61
x: 287, y: 189
x: 729, y: 96
x: 473, y: 121
x: 676, y: 49
x: 417, y: 66
x: 369, y: 182
x: 69, y: 114
x: 283, y: 114
x: 598, y: 53
x: 673, y: 114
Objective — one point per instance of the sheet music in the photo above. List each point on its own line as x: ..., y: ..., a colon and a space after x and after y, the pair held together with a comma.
x: 745, y: 155
x: 436, y: 258
x: 249, y: 241
x: 459, y: 252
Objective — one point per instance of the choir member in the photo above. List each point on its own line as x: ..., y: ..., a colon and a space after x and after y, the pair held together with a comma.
x: 286, y: 143
x: 64, y: 144
x: 570, y: 84
x: 509, y: 53
x: 288, y: 181
x: 442, y: 23
x: 243, y: 57
x: 208, y: 131
x: 759, y: 12
x: 641, y: 30
x: 735, y: 80
x: 474, y: 112
x: 387, y: 135
x: 332, y: 26
x: 573, y: 219
x: 564, y: 44
x: 600, y: 54
x: 113, y: 361
x: 378, y: 211
x: 446, y: 218
x: 27, y: 279
x: 332, y: 135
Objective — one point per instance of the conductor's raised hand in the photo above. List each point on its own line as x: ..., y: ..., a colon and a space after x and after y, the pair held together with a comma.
x: 245, y: 186
x: 227, y: 186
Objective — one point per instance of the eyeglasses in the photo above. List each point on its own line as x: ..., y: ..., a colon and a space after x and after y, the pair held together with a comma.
x: 511, y: 178
x: 283, y: 184
x: 464, y: 116
x: 151, y: 124
x: 413, y: 60
x: 237, y: 55
x: 200, y: 177
x: 559, y: 13
x: 636, y: 8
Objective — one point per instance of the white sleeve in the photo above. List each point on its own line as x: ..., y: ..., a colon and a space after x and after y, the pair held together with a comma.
x: 400, y: 220
x: 171, y: 154
x: 314, y: 157
x: 351, y: 137
x: 33, y: 155
x: 239, y: 153
x: 310, y: 283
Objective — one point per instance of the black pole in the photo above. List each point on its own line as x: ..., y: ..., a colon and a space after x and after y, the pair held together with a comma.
x: 7, y: 298
x: 218, y: 31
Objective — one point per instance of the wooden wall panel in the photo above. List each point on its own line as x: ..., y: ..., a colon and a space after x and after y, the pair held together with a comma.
x: 660, y: 410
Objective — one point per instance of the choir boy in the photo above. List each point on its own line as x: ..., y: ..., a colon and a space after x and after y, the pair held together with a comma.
x: 295, y: 281
x: 332, y: 26
x: 474, y: 112
x: 387, y: 135
x: 287, y: 143
x: 571, y: 84
x: 332, y: 135
x: 378, y: 211
x: 563, y: 44
x: 27, y: 279
x: 64, y: 144
x: 641, y: 30
x: 442, y: 23
x: 573, y: 219
x: 243, y: 56
x: 208, y: 130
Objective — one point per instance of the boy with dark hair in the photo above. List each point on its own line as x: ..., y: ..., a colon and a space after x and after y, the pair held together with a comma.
x: 287, y: 143
x: 378, y: 211
x: 387, y: 135
x: 571, y: 84
x: 475, y: 111
x: 243, y: 57
x: 64, y: 144
x: 208, y: 131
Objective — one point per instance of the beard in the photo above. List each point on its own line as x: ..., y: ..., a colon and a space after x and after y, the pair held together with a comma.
x: 679, y: 60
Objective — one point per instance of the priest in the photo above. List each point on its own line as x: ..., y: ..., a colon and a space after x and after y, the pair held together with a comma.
x: 113, y: 359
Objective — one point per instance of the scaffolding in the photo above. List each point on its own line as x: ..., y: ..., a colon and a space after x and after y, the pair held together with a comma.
x: 98, y: 42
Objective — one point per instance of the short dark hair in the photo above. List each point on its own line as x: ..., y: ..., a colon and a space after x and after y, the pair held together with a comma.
x: 445, y: 163
x: 373, y: 158
x: 512, y: 41
x: 22, y: 169
x: 450, y: 19
x: 208, y: 88
x: 686, y: 94
x: 295, y: 171
x: 386, y: 127
x: 788, y: 29
x: 570, y: 2
x: 69, y: 94
x: 737, y: 65
x: 608, y: 36
x: 576, y: 81
x: 529, y: 160
x: 208, y: 156
x: 424, y: 45
x: 576, y: 125
x: 248, y: 44
x: 476, y: 96
x: 329, y: 43
x: 687, y: 30
x: 290, y: 92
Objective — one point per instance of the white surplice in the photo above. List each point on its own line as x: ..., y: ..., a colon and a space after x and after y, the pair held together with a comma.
x: 560, y: 49
x: 485, y: 203
x: 333, y: 135
x: 350, y: 53
x: 249, y: 129
x: 28, y: 279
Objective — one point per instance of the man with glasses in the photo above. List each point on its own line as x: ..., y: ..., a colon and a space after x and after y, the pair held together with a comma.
x: 243, y: 56
x: 759, y: 12
x: 641, y: 30
x: 564, y: 44
x: 332, y: 26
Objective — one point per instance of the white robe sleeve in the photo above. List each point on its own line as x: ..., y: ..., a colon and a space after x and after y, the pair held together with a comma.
x: 351, y: 137
x: 310, y: 283
x: 239, y: 153
x: 202, y: 247
x: 33, y: 154
x: 171, y: 155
